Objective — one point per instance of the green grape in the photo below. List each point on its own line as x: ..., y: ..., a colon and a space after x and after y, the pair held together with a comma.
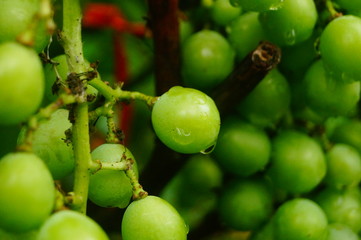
x: 338, y: 231
x: 70, y: 225
x: 349, y: 5
x: 63, y: 71
x: 258, y: 5
x: 343, y: 166
x: 190, y: 127
x: 22, y: 83
x: 27, y: 192
x: 222, y: 12
x: 152, y: 218
x: 31, y: 235
x: 328, y: 96
x: 242, y: 148
x: 340, y: 48
x: 207, y: 59
x: 268, y: 102
x: 111, y: 188
x: 245, y: 204
x: 292, y: 23
x: 341, y: 206
x: 348, y: 131
x: 300, y: 219
x: 244, y: 33
x: 298, y: 163
x: 16, y: 17
x: 48, y: 143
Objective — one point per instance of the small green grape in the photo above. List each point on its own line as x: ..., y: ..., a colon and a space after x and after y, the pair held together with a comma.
x: 22, y: 83
x: 70, y: 225
x: 111, y: 188
x: 186, y: 120
x: 222, y: 12
x: 27, y: 192
x: 152, y: 218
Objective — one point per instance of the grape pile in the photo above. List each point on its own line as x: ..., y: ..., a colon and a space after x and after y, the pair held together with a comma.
x: 80, y: 121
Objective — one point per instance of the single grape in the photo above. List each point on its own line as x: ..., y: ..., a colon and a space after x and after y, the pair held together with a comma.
x: 245, y: 204
x: 298, y: 163
x: 70, y: 225
x: 341, y: 206
x: 290, y: 24
x: 300, y: 219
x: 207, y: 59
x: 244, y: 33
x: 268, y: 102
x: 347, y: 131
x: 328, y: 96
x: 111, y: 188
x: 27, y: 192
x: 16, y: 17
x: 343, y: 166
x: 186, y: 120
x: 338, y: 231
x: 222, y: 12
x: 339, y: 47
x: 22, y: 83
x: 152, y: 218
x: 242, y: 148
x: 258, y: 5
x: 48, y: 143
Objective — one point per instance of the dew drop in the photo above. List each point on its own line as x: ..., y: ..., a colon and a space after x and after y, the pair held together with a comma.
x: 208, y: 150
x: 276, y: 5
x: 290, y: 37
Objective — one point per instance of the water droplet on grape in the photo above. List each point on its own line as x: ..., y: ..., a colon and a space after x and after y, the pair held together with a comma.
x: 276, y: 6
x: 209, y: 149
x: 290, y: 37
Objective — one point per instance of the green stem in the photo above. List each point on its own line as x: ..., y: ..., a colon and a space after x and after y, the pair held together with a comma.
x: 72, y: 44
x: 331, y: 9
x: 117, y: 166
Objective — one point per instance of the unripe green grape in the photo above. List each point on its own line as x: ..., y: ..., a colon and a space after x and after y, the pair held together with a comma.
x: 300, y: 219
x: 48, y: 143
x: 349, y: 5
x: 328, y: 96
x: 27, y: 192
x: 298, y: 163
x: 186, y: 120
x: 70, y: 225
x: 340, y: 48
x: 207, y: 59
x: 290, y: 24
x: 338, y: 231
x: 343, y: 166
x: 16, y: 17
x: 245, y: 204
x: 348, y: 131
x: 258, y: 5
x: 22, y: 83
x: 268, y: 102
x: 242, y: 148
x: 222, y: 12
x: 244, y: 33
x: 111, y: 188
x: 152, y: 218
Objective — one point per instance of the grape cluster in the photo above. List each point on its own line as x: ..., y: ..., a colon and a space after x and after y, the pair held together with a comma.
x: 283, y: 164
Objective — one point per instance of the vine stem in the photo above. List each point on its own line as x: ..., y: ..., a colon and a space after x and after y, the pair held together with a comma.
x: 72, y: 44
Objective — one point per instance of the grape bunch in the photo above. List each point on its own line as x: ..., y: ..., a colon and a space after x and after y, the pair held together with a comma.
x: 222, y: 119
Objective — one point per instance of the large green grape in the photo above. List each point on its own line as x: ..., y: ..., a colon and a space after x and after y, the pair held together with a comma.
x: 186, y: 120
x: 70, y: 225
x: 22, y: 83
x: 298, y: 163
x: 245, y: 204
x: 242, y: 148
x: 27, y: 192
x: 207, y: 59
x: 152, y: 218
x: 111, y: 188
x: 340, y: 48
x: 300, y: 219
x: 290, y: 24
x: 48, y: 143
